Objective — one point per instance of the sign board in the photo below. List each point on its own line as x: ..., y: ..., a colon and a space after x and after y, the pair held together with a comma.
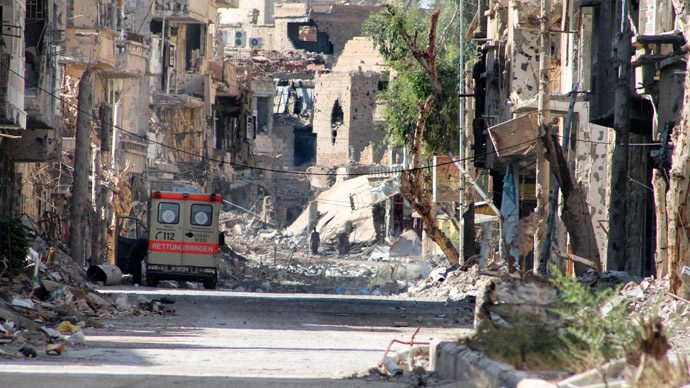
x: 446, y: 179
x: 515, y: 138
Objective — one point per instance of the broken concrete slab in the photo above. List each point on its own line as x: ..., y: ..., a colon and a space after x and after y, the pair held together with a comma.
x: 408, y: 244
x: 332, y: 218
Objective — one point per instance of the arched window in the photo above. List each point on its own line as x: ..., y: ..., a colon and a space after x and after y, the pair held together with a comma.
x: 336, y: 120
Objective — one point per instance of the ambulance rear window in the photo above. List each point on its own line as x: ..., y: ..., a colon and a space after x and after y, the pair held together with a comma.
x: 168, y: 213
x: 201, y: 215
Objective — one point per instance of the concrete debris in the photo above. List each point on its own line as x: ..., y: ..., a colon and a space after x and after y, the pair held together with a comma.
x: 53, y: 311
x: 408, y: 244
x: 404, y: 361
x: 331, y: 217
x: 25, y: 303
x: 53, y: 334
x: 380, y: 253
x: 122, y: 303
x: 268, y: 62
x: 503, y: 300
x: 77, y: 338
x: 391, y: 366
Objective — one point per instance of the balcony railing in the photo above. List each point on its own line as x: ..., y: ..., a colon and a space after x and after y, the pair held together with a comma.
x: 130, y: 59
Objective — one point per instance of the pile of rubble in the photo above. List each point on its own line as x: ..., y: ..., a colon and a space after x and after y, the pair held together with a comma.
x: 268, y: 62
x: 261, y: 258
x: 447, y: 283
x: 502, y: 298
x: 44, y: 309
x: 295, y: 272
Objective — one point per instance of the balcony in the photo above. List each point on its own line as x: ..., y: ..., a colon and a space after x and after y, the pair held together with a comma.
x: 186, y: 11
x: 93, y: 47
x: 134, y: 152
x: 227, y: 3
x: 131, y: 58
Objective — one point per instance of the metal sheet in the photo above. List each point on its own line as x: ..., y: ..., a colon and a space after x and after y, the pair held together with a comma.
x: 515, y: 138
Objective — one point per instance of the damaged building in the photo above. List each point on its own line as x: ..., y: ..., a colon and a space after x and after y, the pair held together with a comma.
x: 505, y: 86
x: 314, y: 85
x: 164, y: 105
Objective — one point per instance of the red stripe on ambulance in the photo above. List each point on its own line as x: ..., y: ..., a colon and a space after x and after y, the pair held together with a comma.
x: 178, y: 247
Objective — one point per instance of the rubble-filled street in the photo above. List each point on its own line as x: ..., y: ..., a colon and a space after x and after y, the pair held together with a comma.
x: 222, y: 338
x: 337, y: 193
x: 281, y: 317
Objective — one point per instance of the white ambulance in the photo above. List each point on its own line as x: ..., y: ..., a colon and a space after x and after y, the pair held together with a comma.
x: 183, y: 238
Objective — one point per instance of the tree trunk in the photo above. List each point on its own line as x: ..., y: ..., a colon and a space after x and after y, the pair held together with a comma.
x: 677, y: 200
x: 415, y: 187
x: 676, y: 214
x: 661, y: 257
x: 82, y: 164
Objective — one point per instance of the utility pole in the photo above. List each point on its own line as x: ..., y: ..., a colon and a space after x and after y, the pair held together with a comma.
x: 616, y: 252
x: 461, y: 137
x: 82, y: 163
x: 544, y: 101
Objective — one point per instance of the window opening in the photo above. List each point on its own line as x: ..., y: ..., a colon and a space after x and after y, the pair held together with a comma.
x: 201, y: 215
x: 307, y: 33
x: 336, y: 120
x: 168, y: 213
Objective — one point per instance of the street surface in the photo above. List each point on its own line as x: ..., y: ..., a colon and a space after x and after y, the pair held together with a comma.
x: 223, y: 339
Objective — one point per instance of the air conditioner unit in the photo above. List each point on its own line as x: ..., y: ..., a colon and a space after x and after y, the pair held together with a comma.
x: 225, y: 37
x: 251, y: 127
x: 239, y: 38
x: 255, y: 42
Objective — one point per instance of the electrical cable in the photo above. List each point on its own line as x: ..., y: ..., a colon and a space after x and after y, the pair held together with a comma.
x: 238, y: 165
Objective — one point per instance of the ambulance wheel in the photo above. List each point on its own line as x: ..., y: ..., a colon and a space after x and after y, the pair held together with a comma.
x: 152, y: 280
x: 210, y: 283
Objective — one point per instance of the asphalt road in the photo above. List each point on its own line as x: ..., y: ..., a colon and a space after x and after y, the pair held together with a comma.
x: 227, y: 339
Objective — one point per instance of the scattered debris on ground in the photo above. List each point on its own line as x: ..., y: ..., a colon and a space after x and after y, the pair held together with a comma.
x: 260, y: 258
x: 44, y: 309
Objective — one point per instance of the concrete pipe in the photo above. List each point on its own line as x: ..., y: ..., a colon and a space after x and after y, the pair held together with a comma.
x: 110, y: 275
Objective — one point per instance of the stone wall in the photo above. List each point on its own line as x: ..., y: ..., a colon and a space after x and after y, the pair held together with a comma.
x: 340, y: 144
x: 332, y: 144
x: 342, y: 23
x: 280, y: 142
x: 359, y: 54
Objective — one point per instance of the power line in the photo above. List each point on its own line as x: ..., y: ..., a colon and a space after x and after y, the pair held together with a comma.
x: 221, y: 162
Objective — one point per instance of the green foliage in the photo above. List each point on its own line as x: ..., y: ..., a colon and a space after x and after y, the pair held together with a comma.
x: 410, y: 83
x: 14, y: 244
x: 595, y: 325
x: 593, y: 328
x: 528, y: 343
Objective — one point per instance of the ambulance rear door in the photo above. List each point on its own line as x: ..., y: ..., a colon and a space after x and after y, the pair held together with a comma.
x: 166, y: 232
x: 200, y: 230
